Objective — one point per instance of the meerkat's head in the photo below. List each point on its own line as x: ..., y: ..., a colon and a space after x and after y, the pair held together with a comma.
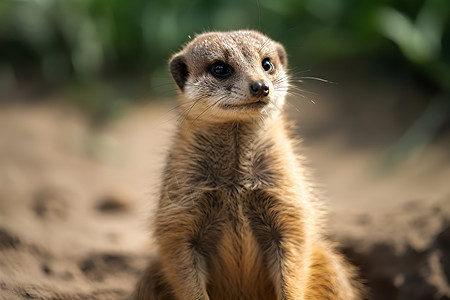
x: 226, y: 76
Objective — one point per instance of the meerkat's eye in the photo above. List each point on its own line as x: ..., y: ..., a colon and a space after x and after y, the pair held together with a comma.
x: 267, y: 65
x: 221, y: 70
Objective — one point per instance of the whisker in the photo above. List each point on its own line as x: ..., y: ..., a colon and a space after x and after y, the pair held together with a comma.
x: 294, y: 106
x: 186, y: 112
x: 315, y: 78
x: 209, y: 107
x: 296, y: 88
x: 295, y: 73
x: 162, y: 118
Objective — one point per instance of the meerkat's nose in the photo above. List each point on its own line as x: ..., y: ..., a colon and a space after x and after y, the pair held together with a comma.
x: 259, y: 89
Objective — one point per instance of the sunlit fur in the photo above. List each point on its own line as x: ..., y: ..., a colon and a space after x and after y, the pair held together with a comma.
x: 238, y: 217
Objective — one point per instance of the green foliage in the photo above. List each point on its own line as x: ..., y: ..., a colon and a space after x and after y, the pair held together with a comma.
x: 111, y: 48
x: 83, y: 40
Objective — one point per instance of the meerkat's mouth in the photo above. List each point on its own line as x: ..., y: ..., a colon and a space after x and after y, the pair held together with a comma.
x: 246, y: 105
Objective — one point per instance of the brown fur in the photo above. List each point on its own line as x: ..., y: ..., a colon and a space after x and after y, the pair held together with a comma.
x: 238, y: 217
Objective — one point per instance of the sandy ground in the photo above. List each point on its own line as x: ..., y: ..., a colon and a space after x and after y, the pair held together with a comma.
x: 75, y: 204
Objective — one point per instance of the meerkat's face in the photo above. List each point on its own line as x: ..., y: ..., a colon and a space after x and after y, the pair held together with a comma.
x: 224, y: 76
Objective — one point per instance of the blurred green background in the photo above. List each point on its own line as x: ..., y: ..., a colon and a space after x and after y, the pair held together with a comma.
x: 60, y: 40
x: 110, y: 53
x: 83, y: 85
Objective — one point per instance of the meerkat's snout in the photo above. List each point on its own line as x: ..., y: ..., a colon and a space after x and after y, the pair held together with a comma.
x: 259, y: 89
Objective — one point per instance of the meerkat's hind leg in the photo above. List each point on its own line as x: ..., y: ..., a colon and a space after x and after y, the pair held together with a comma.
x: 153, y: 285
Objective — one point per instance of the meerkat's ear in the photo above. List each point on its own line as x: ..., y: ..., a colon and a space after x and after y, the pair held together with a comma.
x: 178, y: 69
x: 281, y: 54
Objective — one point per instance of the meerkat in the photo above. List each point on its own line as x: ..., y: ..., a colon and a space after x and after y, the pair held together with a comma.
x: 238, y: 216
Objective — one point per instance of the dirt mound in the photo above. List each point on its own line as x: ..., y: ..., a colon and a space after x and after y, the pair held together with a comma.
x: 74, y: 206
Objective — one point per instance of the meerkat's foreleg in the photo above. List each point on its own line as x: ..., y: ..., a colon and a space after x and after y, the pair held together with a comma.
x: 183, y: 264
x: 186, y: 235
x: 187, y: 272
x: 281, y: 237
